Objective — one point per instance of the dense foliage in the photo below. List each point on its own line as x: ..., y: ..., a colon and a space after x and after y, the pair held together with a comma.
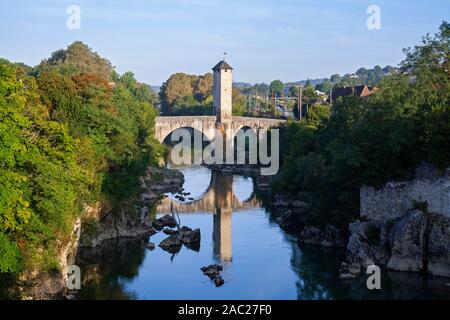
x: 72, y: 132
x: 329, y: 156
x: 185, y: 94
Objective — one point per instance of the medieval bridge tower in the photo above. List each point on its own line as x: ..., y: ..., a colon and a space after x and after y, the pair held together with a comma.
x: 222, y: 119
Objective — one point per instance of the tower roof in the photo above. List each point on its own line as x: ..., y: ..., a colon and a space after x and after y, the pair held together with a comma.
x: 222, y: 65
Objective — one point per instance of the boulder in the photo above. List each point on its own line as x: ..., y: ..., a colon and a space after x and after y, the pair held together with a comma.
x: 218, y: 281
x: 406, y: 241
x: 329, y: 237
x: 358, y: 250
x: 348, y: 272
x: 310, y: 235
x: 439, y: 248
x: 217, y: 267
x: 165, y: 221
x: 168, y: 221
x: 150, y: 246
x: 157, y: 225
x: 213, y: 272
x: 171, y: 244
x: 189, y: 236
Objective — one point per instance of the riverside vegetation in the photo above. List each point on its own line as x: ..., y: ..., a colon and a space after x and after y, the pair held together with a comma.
x: 328, y: 156
x: 73, y: 132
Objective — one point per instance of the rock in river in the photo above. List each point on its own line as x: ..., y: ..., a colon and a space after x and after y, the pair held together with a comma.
x: 171, y: 244
x: 166, y: 221
x: 189, y: 236
x: 218, y: 281
x: 213, y: 272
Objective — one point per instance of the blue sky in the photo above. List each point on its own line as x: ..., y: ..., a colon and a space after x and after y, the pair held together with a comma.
x: 265, y: 39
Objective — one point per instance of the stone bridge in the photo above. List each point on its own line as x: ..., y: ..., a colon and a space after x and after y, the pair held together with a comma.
x: 222, y: 120
x: 208, y: 125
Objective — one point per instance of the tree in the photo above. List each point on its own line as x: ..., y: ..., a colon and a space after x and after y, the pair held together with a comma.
x: 239, y: 102
x: 308, y: 84
x: 293, y: 91
x: 325, y: 86
x: 203, y: 87
x: 276, y: 87
x: 78, y: 58
x: 187, y: 94
x: 335, y: 78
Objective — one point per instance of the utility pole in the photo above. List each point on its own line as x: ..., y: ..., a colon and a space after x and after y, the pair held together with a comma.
x: 300, y: 102
x: 331, y: 96
x: 273, y: 98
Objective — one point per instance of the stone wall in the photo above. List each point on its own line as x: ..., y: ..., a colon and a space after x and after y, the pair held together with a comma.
x: 394, y: 199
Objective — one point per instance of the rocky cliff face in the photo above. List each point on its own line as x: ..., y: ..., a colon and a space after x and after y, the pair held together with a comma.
x: 402, y: 239
x: 135, y: 221
x: 43, y: 285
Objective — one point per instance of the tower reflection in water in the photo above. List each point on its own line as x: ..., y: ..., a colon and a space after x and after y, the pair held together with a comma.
x: 222, y: 230
x: 221, y: 200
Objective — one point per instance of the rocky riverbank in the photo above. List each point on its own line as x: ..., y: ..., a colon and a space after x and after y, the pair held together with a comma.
x: 418, y: 241
x: 134, y: 221
x: 403, y: 226
x: 99, y: 224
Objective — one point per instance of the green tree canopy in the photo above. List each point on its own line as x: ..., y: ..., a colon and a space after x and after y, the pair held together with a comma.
x: 187, y: 94
x: 276, y: 87
x: 78, y: 58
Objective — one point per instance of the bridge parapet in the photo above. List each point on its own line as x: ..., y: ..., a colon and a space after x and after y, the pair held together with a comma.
x: 165, y: 125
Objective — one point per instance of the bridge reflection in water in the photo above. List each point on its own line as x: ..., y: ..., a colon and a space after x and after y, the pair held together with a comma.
x: 221, y: 201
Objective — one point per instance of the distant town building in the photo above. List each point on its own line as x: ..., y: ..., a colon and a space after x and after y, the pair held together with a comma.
x: 320, y: 93
x: 356, y: 91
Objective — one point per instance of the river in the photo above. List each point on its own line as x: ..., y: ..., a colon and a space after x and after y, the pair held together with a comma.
x: 260, y: 261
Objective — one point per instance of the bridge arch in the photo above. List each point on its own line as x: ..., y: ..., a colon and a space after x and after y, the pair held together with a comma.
x: 165, y: 138
x: 246, y: 128
x: 167, y: 125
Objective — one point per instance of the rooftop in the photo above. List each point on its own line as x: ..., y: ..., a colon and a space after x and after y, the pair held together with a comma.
x: 222, y: 65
